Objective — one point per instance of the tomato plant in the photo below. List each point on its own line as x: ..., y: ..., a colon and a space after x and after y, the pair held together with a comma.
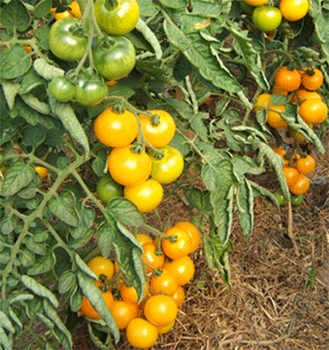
x: 62, y: 89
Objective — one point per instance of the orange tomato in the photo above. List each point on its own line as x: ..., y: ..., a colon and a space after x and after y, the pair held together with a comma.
x: 129, y: 294
x: 183, y: 268
x: 179, y: 296
x: 301, y: 95
x: 42, y: 171
x: 263, y: 100
x: 291, y: 175
x: 164, y: 283
x: 193, y: 232
x: 160, y: 310
x: 312, y: 78
x: 123, y: 312
x: 282, y: 152
x: 287, y: 80
x: 274, y: 118
x: 180, y: 247
x: 305, y: 165
x: 301, y: 186
x: 313, y: 111
x: 151, y: 258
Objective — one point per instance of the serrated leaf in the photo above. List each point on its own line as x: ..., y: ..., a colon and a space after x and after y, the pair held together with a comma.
x: 18, y: 175
x: 95, y: 336
x: 94, y: 295
x: 245, y: 205
x: 46, y: 70
x: 15, y: 16
x: 10, y: 90
x: 125, y: 211
x: 83, y: 267
x: 39, y: 290
x: 70, y: 121
x: 42, y: 8
x: 17, y: 63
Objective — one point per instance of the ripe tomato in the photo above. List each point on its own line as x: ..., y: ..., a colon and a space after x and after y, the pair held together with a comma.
x: 118, y: 19
x: 116, y: 129
x: 144, y: 239
x: 62, y: 89
x: 263, y: 100
x: 75, y: 9
x: 160, y: 310
x: 183, y: 268
x: 90, y: 91
x: 102, y: 267
x: 166, y: 328
x: 129, y: 294
x: 291, y: 175
x: 123, y: 312
x: 65, y: 14
x: 67, y: 40
x: 127, y: 167
x: 256, y: 2
x: 294, y: 10
x: 297, y: 200
x: 151, y: 257
x: 286, y: 79
x: 266, y: 18
x: 301, y: 186
x: 147, y: 195
x: 274, y: 118
x: 179, y: 296
x: 88, y: 310
x: 114, y: 57
x: 141, y: 334
x: 193, y: 232
x: 301, y: 95
x: 281, y: 198
x: 180, y: 247
x: 107, y: 188
x: 164, y: 283
x: 313, y: 111
x: 277, y: 91
x: 312, y: 78
x: 282, y: 152
x: 169, y: 167
x: 305, y: 165
x: 161, y: 132
x: 42, y: 171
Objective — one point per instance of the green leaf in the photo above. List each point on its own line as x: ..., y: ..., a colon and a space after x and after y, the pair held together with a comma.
x: 84, y: 268
x: 260, y: 190
x: 129, y: 235
x: 66, y: 338
x: 66, y: 282
x: 94, y: 295
x: 147, y: 8
x: 182, y: 68
x: 42, y: 8
x: 198, y: 126
x: 105, y: 236
x: 96, y: 335
x: 125, y: 211
x: 8, y: 224
x: 14, y: 317
x: 10, y: 90
x: 6, y: 323
x: 4, y: 340
x: 203, y: 56
x: 35, y: 103
x: 83, y: 240
x: 37, y: 248
x: 34, y: 135
x: 17, y: 63
x: 70, y: 121
x: 15, y: 15
x: 42, y: 265
x: 46, y: 70
x: 63, y: 261
x: 87, y: 215
x: 63, y: 207
x: 18, y: 175
x: 76, y: 299
x: 199, y: 199
x: 39, y: 290
x: 30, y: 81
x: 42, y: 34
x: 245, y: 205
x: 20, y: 297
x: 177, y: 4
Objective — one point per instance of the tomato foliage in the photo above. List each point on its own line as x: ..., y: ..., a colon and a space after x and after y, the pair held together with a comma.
x: 181, y: 54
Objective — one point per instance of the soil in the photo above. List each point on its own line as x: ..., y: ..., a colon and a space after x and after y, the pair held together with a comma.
x: 279, y: 297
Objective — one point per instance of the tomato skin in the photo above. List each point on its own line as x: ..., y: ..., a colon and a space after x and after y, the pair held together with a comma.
x: 166, y: 328
x: 274, y: 119
x: 313, y: 111
x: 160, y: 310
x: 90, y: 91
x: 294, y: 10
x: 193, y: 232
x: 161, y: 134
x: 117, y: 21
x: 128, y: 168
x: 123, y: 312
x: 141, y: 334
x: 305, y: 165
x: 151, y: 258
x: 102, y: 267
x: 296, y: 200
x: 168, y: 168
x: 129, y: 294
x: 287, y: 80
x: 62, y: 89
x: 312, y: 79
x: 179, y: 296
x: 88, y: 310
x: 301, y: 186
x: 183, y: 268
x: 144, y: 239
x: 266, y: 18
x: 42, y: 171
x: 282, y: 152
x: 165, y: 283
x: 146, y: 195
x: 301, y: 95
x: 65, y: 14
x: 291, y: 175
x: 116, y: 129
x: 114, y: 57
x: 67, y: 40
x: 75, y: 9
x: 281, y: 198
x: 108, y: 189
x: 256, y: 2
x: 181, y: 247
x: 263, y: 100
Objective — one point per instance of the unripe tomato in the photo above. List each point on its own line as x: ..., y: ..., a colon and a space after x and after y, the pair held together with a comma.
x: 181, y: 245
x: 160, y: 131
x: 296, y: 200
x: 312, y: 78
x: 169, y: 167
x: 274, y: 119
x: 147, y: 195
x: 141, y: 334
x: 266, y: 18
x: 313, y: 111
x: 294, y: 10
x: 116, y: 129
x: 62, y: 89
x: 281, y: 198
x: 287, y: 80
x: 90, y: 91
x: 108, y: 189
x: 301, y: 186
x: 183, y: 268
x: 127, y: 167
x: 160, y: 310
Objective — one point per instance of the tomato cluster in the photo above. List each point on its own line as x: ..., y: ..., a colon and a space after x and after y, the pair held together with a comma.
x: 139, y: 172
x: 168, y: 268
x: 268, y: 18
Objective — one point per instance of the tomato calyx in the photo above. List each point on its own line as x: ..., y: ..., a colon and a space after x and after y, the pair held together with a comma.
x: 77, y: 29
x: 158, y: 154
x: 155, y: 119
x: 111, y: 4
x: 119, y: 107
x: 137, y: 148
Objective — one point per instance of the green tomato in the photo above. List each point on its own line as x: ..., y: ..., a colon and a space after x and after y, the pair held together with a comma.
x: 90, y: 91
x: 266, y: 18
x: 116, y: 17
x: 169, y: 167
x: 67, y: 40
x: 62, y: 89
x: 281, y: 198
x: 296, y: 199
x: 114, y: 57
x: 107, y: 189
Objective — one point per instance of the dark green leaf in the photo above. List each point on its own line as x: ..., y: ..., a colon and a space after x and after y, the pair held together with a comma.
x: 42, y: 8
x: 8, y: 224
x: 66, y: 282
x: 182, y: 68
x: 43, y: 264
x: 17, y: 63
x: 30, y: 81
x: 37, y: 248
x: 4, y: 340
x: 245, y: 205
x: 125, y: 211
x: 42, y: 34
x: 84, y: 268
x: 76, y: 299
x: 105, y: 236
x: 15, y: 15
x: 34, y: 135
x: 63, y: 261
x: 6, y: 323
x: 97, y: 337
